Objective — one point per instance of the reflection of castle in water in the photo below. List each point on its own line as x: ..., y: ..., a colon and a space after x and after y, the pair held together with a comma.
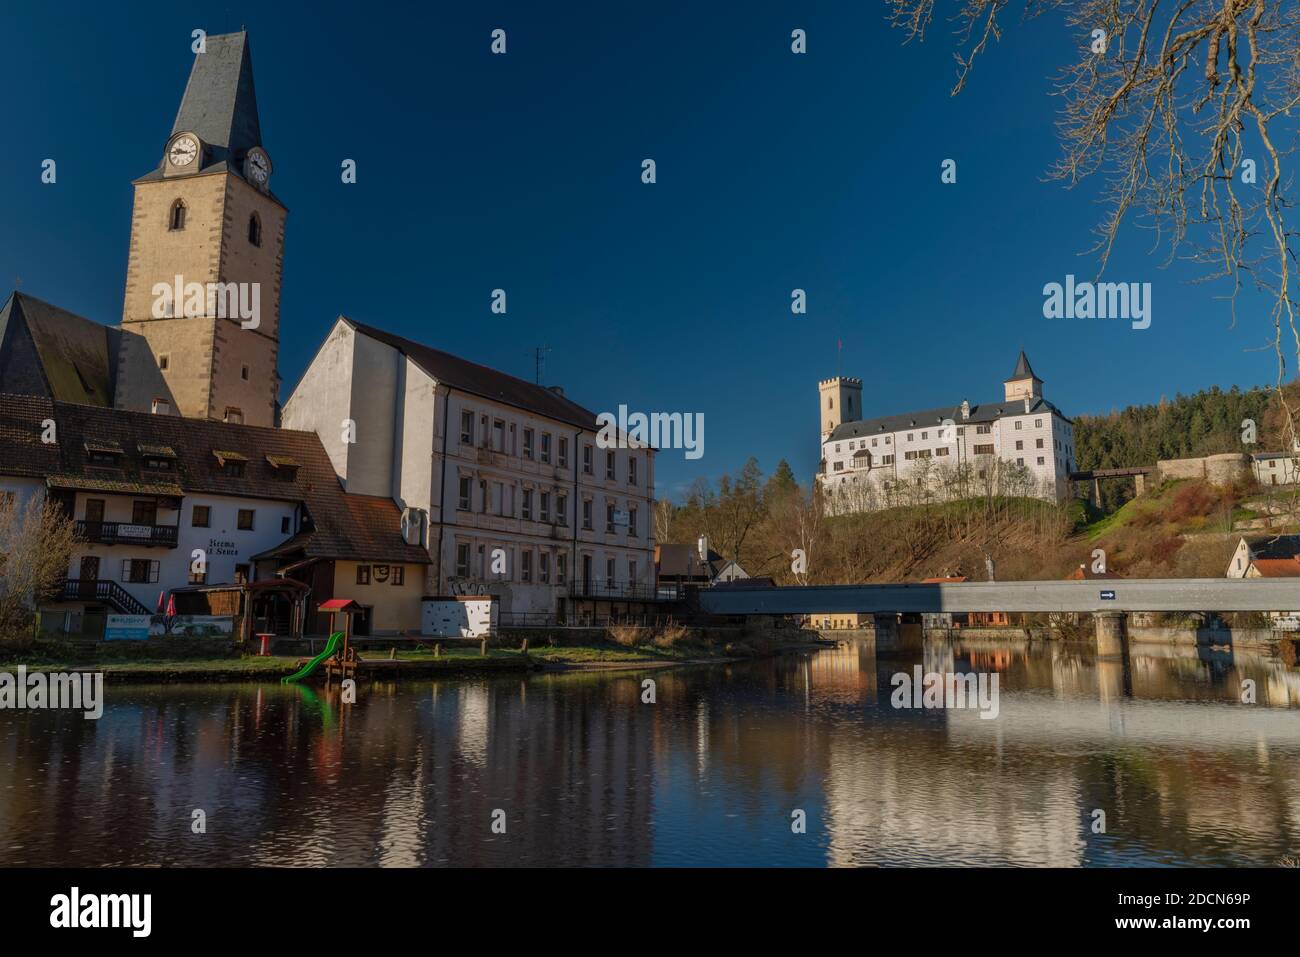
x: 1075, y: 735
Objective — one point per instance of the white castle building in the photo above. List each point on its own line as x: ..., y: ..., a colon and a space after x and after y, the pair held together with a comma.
x: 1021, y: 446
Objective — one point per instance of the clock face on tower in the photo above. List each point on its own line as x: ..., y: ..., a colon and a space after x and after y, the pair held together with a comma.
x: 257, y: 166
x: 183, y: 150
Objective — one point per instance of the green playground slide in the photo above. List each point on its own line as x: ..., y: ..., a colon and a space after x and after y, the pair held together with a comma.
x: 331, y: 646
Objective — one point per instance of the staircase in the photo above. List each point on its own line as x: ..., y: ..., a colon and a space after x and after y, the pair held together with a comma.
x: 108, y: 592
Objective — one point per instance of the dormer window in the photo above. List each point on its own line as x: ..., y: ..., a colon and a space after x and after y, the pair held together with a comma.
x: 177, y: 218
x: 255, y: 230
x: 231, y: 463
x: 157, y: 458
x: 286, y: 468
x: 103, y: 452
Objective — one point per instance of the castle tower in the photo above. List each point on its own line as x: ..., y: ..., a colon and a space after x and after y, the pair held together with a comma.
x: 1023, y: 383
x: 206, y: 225
x: 841, y: 401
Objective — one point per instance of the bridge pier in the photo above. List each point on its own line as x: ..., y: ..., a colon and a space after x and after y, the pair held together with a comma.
x: 886, y: 628
x: 1112, y: 633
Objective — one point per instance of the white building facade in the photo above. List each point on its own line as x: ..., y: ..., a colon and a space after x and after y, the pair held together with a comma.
x: 1021, y: 446
x: 502, y: 480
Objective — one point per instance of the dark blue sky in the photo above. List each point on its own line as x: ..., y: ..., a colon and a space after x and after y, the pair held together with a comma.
x: 522, y: 171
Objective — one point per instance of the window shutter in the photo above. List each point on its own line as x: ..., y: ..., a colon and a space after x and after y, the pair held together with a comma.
x: 153, y: 571
x: 126, y: 569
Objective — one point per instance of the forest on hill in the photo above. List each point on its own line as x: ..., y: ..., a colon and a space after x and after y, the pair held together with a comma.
x: 1205, y: 423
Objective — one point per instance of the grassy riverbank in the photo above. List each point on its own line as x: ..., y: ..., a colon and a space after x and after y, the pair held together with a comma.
x: 413, y: 663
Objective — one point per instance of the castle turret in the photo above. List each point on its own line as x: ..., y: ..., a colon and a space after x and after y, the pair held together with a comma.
x: 1023, y: 383
x: 841, y: 401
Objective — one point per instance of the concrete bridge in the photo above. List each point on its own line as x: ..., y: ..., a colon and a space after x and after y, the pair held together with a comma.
x: 1107, y: 599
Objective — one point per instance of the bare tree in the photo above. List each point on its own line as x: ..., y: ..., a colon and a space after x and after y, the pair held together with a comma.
x: 35, y: 545
x: 1173, y: 104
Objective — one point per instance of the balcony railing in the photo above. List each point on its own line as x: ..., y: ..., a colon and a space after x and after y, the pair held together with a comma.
x: 622, y: 591
x: 125, y: 533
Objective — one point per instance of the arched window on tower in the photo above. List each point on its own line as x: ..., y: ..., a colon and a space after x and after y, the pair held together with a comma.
x: 255, y: 230
x: 830, y: 403
x: 177, y: 219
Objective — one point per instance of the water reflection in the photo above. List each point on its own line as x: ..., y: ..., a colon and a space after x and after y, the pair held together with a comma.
x: 589, y: 775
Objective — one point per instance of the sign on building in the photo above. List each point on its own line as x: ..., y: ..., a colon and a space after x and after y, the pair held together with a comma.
x: 127, y: 628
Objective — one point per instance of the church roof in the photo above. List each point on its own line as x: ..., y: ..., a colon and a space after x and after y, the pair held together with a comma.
x: 48, y: 351
x: 1023, y: 371
x: 219, y: 102
x: 482, y: 381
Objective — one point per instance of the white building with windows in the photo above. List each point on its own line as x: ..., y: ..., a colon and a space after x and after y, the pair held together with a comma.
x: 500, y: 479
x: 1022, y: 445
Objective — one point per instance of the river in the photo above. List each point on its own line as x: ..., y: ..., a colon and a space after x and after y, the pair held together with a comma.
x: 723, y: 767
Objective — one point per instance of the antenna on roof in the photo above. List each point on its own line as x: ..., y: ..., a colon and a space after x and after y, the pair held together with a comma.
x: 539, y: 358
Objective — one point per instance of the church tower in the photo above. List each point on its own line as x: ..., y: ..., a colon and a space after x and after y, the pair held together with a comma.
x: 841, y: 401
x: 201, y: 315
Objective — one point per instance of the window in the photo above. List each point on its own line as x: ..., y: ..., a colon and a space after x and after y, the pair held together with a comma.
x: 564, y: 452
x: 886, y: 460
x: 201, y: 517
x: 241, y: 574
x: 586, y: 513
x: 528, y: 443
x: 398, y: 576
x: 284, y: 525
x: 631, y: 570
x: 467, y: 428
x: 925, y: 435
x: 234, y: 416
x: 245, y: 523
x: 631, y: 470
x: 941, y: 451
x: 144, y: 512
x: 156, y: 463
x: 1040, y: 460
x: 198, y: 577
x: 164, y: 360
x: 234, y: 468
x: 910, y: 437
x: 177, y: 218
x: 1020, y: 461
x: 466, y: 493
x: 462, y: 560
x: 609, y: 517
x: 609, y: 570
x: 983, y: 450
x: 1019, y: 444
x: 526, y: 565
x: 1038, y: 423
x: 587, y: 457
x: 562, y: 509
x: 561, y: 568
x: 631, y: 523
x: 546, y: 448
x: 363, y: 574
x: 528, y: 504
x: 1018, y: 425
x: 255, y: 230
x: 546, y: 507
x: 839, y: 466
x: 498, y: 435
x: 139, y: 571
x: 243, y: 373
x: 161, y: 407
x: 94, y: 508
x: 544, y: 568
x: 1039, y: 444
x: 611, y: 470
